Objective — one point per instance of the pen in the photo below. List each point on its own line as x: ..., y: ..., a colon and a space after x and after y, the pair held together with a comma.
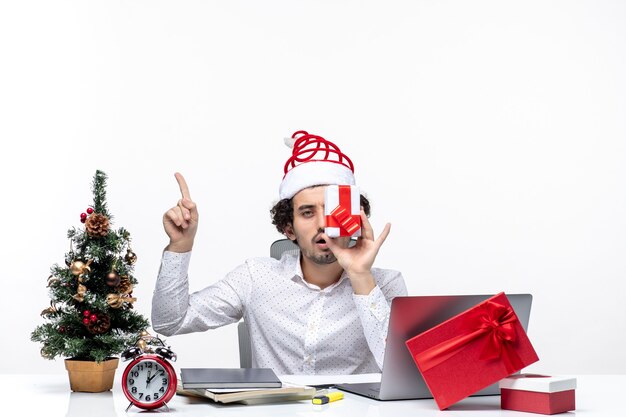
x: 328, y: 398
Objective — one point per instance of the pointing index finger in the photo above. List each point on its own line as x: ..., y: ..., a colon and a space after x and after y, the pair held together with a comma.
x: 182, y: 184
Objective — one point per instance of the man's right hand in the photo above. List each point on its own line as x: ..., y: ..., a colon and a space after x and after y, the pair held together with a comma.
x: 181, y: 221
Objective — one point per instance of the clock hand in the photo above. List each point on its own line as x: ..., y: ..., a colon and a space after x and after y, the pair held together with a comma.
x: 151, y: 378
x: 148, y: 379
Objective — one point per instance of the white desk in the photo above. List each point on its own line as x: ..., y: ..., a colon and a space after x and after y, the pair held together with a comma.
x: 50, y: 396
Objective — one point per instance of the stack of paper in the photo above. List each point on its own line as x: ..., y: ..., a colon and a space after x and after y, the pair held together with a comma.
x: 250, y: 396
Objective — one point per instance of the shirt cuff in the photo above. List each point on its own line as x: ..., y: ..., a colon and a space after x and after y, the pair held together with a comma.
x: 174, y: 267
x: 374, y: 303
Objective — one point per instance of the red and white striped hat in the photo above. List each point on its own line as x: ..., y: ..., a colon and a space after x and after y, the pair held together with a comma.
x: 314, y: 161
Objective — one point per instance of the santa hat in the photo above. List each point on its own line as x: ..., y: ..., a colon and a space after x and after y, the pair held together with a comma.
x: 314, y: 161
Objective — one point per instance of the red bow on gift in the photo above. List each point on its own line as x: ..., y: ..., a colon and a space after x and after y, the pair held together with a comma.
x: 341, y: 216
x: 494, y: 323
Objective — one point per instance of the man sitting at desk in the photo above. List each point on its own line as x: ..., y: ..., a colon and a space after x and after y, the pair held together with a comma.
x: 324, y: 311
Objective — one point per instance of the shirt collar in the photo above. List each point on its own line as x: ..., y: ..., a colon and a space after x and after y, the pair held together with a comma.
x: 298, y: 276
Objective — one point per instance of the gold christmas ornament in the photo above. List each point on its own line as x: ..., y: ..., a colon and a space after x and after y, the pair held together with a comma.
x: 115, y: 300
x: 49, y: 310
x: 130, y: 257
x: 80, y: 268
x: 97, y: 225
x: 146, y: 341
x: 141, y: 344
x: 118, y: 300
x: 80, y: 293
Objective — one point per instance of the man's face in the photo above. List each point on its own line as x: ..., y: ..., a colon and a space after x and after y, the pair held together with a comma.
x: 308, y: 225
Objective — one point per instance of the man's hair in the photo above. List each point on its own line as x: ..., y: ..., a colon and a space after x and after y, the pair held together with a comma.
x: 282, y: 212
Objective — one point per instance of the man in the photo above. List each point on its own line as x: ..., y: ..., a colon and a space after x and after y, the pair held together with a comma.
x: 324, y: 311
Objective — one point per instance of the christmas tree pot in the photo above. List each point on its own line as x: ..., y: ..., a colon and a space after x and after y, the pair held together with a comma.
x: 91, y: 376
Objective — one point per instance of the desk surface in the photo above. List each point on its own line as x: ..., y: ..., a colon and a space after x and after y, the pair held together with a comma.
x: 50, y: 396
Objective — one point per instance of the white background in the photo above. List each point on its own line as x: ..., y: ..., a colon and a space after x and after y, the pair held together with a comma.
x: 491, y: 134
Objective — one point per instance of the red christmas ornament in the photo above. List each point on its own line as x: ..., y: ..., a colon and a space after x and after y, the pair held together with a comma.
x: 93, y: 318
x: 86, y: 321
x: 61, y: 329
x: 83, y: 220
x: 83, y: 216
x: 89, y: 210
x: 86, y: 313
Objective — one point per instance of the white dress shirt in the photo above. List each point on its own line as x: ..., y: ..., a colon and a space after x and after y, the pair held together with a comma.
x: 295, y: 327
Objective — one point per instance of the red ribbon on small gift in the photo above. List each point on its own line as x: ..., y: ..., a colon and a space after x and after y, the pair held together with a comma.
x: 494, y: 323
x: 341, y: 216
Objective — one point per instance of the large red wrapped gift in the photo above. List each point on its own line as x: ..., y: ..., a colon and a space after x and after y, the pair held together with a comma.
x: 472, y: 350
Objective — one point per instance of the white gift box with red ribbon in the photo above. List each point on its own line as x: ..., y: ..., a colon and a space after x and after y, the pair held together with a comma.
x: 342, y: 208
x: 541, y: 394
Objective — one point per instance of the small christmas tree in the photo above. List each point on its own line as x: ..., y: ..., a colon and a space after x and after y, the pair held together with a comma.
x: 91, y: 314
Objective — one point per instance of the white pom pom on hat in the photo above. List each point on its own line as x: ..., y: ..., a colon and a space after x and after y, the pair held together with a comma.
x: 314, y: 161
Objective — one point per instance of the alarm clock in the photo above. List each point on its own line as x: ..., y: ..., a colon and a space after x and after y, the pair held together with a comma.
x: 149, y: 380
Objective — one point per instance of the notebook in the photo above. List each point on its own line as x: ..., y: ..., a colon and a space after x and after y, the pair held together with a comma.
x: 411, y: 315
x: 208, y: 378
x: 288, y: 392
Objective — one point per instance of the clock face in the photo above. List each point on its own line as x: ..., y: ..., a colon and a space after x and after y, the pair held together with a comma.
x: 149, y: 382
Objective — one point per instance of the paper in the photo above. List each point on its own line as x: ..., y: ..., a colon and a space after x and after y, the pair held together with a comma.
x: 286, y: 393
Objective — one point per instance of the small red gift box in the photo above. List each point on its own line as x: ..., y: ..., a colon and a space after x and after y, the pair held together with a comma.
x: 541, y: 394
x: 472, y: 350
x: 342, y: 207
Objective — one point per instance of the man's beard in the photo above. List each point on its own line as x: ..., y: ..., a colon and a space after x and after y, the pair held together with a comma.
x: 323, y: 259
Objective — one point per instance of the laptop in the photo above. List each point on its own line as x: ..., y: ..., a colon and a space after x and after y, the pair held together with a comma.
x: 410, y: 316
